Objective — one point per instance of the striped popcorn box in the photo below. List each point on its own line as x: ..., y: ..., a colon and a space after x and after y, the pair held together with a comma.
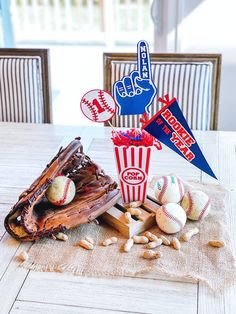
x: 132, y: 166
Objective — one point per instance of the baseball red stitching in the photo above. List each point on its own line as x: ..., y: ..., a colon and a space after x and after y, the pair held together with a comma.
x: 104, y: 102
x: 204, y: 209
x: 181, y: 192
x: 163, y: 190
x: 190, y: 205
x: 172, y: 217
x: 62, y: 200
x: 91, y: 108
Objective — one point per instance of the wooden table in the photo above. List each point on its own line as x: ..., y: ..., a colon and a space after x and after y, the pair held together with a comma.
x: 24, y: 151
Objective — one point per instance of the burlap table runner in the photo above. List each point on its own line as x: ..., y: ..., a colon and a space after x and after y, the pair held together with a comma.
x: 195, y: 260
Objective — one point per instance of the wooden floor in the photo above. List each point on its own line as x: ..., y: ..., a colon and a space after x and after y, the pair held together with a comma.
x: 24, y: 151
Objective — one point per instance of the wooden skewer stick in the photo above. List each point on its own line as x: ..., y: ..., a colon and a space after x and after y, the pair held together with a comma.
x: 113, y: 129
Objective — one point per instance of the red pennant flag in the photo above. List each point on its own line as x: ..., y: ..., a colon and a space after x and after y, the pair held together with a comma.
x: 170, y: 127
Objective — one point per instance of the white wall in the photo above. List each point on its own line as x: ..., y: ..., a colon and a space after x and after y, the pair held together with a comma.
x: 211, y: 27
x: 207, y: 26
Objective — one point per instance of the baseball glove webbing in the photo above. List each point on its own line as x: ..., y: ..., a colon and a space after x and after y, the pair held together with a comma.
x: 33, y: 217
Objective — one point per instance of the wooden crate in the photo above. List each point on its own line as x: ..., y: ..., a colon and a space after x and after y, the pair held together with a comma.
x: 115, y: 217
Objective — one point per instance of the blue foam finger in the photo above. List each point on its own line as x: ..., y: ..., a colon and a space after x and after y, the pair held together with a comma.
x: 134, y: 75
x: 120, y: 89
x: 144, y: 84
x: 144, y: 63
x: 135, y: 93
x: 128, y: 85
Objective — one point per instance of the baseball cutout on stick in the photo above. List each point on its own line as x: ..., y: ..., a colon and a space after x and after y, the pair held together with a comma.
x: 196, y: 204
x: 98, y: 105
x: 169, y: 189
x: 61, y: 191
x: 171, y: 218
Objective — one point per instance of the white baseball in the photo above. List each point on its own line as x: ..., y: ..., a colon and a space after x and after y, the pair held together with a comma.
x: 98, y: 105
x: 196, y: 204
x: 171, y: 218
x: 61, y: 191
x: 169, y: 189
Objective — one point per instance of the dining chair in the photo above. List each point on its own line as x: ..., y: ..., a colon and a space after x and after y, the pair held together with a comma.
x: 25, y: 91
x: 194, y: 79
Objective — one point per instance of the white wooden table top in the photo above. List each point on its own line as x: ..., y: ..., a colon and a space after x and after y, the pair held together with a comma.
x: 24, y: 151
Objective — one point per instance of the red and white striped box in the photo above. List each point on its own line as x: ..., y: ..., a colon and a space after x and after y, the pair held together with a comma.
x: 132, y: 166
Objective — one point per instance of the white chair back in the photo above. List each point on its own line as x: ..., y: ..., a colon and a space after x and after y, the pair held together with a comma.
x: 22, y: 85
x: 193, y: 83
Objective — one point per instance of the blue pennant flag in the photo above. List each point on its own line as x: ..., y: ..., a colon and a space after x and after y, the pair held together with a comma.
x: 170, y: 127
x: 135, y: 92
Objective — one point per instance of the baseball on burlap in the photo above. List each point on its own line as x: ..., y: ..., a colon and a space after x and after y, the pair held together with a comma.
x: 61, y: 191
x: 169, y: 189
x: 98, y: 105
x: 171, y: 218
x: 196, y: 204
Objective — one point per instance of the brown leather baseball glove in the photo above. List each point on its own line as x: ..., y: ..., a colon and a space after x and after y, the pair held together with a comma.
x: 33, y: 217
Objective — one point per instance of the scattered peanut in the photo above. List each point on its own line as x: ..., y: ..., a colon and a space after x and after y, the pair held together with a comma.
x: 128, y: 217
x: 134, y: 211
x: 62, y: 236
x: 140, y: 239
x: 85, y: 244
x: 52, y: 236
x: 133, y: 204
x: 176, y: 243
x: 217, y: 243
x: 150, y: 254
x: 128, y: 245
x: 151, y: 237
x: 188, y: 235
x: 165, y: 241
x: 154, y: 244
x: 23, y: 256
x: 89, y: 239
x: 110, y: 241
